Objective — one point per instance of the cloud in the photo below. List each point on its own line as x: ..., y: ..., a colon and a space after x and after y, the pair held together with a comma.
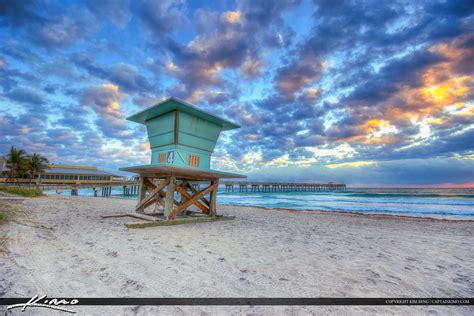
x: 67, y: 29
x: 104, y: 100
x: 413, y: 172
x: 128, y: 77
x: 229, y: 40
x: 117, y: 11
x: 252, y: 68
x: 74, y: 117
x: 161, y: 18
x: 353, y: 164
x: 19, y: 13
x: 30, y: 97
x: 19, y: 51
x: 292, y: 78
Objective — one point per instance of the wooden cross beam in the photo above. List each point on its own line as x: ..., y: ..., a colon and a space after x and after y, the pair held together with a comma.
x: 192, y: 200
x: 192, y: 188
x: 151, y: 186
x: 154, y: 195
x: 188, y: 196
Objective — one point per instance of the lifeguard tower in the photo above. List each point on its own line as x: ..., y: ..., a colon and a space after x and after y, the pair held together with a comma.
x: 182, y: 139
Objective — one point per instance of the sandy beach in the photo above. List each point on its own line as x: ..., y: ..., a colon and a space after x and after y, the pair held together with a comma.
x: 60, y: 246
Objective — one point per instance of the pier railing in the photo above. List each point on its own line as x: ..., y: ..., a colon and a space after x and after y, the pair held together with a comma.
x: 243, y: 186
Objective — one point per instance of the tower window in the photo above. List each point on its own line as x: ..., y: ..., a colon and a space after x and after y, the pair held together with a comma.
x: 162, y: 157
x: 193, y: 160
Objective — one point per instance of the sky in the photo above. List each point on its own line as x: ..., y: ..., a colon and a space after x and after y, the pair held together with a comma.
x: 369, y: 93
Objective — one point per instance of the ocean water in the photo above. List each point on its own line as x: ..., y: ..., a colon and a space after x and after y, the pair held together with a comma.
x: 435, y: 203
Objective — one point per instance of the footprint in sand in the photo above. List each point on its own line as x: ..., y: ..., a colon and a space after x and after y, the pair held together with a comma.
x: 112, y: 254
x: 373, y: 274
x: 131, y: 285
x: 371, y: 281
x: 394, y: 277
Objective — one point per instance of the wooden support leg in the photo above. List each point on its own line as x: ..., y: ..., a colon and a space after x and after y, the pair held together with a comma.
x: 141, y: 194
x: 213, y: 199
x: 169, y: 199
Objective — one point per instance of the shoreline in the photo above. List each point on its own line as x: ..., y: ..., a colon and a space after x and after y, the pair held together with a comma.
x: 352, y: 213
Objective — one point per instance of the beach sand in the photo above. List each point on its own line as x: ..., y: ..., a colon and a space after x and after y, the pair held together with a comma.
x: 62, y: 247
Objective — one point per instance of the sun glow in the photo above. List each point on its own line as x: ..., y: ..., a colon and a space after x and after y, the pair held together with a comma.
x: 354, y: 164
x: 232, y: 16
x: 448, y: 91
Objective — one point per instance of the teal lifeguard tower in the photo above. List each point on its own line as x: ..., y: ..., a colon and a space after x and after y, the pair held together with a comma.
x: 182, y: 139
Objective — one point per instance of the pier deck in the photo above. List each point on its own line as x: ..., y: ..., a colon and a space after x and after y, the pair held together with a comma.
x: 244, y: 186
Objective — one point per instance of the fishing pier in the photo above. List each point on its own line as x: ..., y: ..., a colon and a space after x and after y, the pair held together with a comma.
x: 281, y: 186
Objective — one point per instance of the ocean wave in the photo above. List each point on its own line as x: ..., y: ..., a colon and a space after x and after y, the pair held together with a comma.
x: 354, y: 194
x: 414, y: 212
x: 404, y: 195
x: 310, y: 199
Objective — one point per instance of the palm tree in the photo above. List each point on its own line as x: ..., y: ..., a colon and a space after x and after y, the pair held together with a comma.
x: 36, y: 164
x: 15, y: 162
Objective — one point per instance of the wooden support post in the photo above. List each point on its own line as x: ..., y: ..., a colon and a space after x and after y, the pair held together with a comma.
x: 141, y: 193
x: 213, y: 199
x: 169, y: 199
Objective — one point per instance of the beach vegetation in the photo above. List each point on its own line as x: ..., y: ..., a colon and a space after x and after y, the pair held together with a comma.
x: 4, y: 210
x: 3, y: 217
x: 22, y: 191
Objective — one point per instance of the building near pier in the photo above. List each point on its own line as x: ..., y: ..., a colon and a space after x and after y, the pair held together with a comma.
x: 67, y: 174
x: 75, y: 174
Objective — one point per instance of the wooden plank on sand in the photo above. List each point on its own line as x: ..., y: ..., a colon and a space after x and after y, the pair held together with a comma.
x: 139, y: 216
x: 178, y: 221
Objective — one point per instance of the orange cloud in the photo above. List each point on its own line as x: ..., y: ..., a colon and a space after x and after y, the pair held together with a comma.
x: 232, y: 16
x: 354, y: 164
x: 252, y: 67
x: 447, y: 90
x: 374, y: 132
